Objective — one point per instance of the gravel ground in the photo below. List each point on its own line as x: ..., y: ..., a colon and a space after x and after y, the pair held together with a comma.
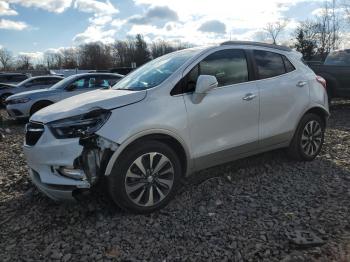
x: 242, y: 211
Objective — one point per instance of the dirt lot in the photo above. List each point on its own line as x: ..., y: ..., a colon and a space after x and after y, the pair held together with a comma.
x: 242, y: 211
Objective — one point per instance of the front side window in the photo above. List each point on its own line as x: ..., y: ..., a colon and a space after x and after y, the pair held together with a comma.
x: 228, y: 66
x: 85, y: 82
x: 269, y: 64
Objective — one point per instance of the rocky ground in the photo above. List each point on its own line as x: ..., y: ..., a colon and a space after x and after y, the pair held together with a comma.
x: 247, y: 210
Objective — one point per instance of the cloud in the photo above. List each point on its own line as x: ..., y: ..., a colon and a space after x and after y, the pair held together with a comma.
x: 6, y: 10
x: 153, y: 14
x: 55, y: 6
x: 213, y: 26
x: 96, y: 7
x: 36, y: 56
x: 12, y: 25
x: 94, y: 34
x: 100, y: 20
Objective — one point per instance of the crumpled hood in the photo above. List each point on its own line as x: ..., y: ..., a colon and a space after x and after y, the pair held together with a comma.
x: 83, y: 103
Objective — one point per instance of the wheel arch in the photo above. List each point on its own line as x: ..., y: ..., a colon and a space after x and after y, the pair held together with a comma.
x: 165, y: 136
x: 320, y: 111
x: 45, y: 101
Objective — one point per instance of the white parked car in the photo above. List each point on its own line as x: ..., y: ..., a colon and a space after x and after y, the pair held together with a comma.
x: 33, y: 83
x: 183, y: 112
x: 25, y: 104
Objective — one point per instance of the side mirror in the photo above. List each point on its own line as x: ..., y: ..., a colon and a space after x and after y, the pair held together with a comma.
x: 205, y: 83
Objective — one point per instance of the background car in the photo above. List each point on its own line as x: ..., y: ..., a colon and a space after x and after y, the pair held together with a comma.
x: 29, y: 84
x: 336, y: 71
x: 13, y: 78
x: 25, y: 104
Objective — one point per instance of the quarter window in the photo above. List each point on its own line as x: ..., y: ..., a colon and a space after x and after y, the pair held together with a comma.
x: 289, y: 66
x: 269, y: 64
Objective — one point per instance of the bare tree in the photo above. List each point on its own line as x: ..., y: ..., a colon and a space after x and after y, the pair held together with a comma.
x: 24, y: 62
x: 5, y: 58
x: 275, y: 29
x: 328, y: 29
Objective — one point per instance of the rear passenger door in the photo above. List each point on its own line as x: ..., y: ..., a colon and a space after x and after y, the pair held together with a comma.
x: 225, y: 123
x: 284, y: 94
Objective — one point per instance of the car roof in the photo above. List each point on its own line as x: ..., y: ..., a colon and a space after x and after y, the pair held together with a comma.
x: 97, y: 74
x: 258, y: 44
x: 12, y: 74
x: 48, y: 76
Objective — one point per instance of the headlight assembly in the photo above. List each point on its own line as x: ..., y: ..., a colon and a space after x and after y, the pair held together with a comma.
x: 18, y: 100
x: 81, y: 125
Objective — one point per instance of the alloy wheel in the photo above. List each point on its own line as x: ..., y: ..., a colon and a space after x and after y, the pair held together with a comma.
x: 149, y: 179
x: 311, y: 139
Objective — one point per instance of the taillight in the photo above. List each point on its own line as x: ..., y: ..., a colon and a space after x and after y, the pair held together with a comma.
x: 322, y: 81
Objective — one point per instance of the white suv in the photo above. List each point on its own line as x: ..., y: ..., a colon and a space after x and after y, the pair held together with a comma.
x: 180, y: 113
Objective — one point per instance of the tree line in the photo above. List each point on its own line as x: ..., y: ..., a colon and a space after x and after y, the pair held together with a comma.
x: 314, y: 38
x: 94, y: 56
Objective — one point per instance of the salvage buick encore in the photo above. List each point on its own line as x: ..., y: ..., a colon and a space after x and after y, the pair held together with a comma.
x: 183, y: 112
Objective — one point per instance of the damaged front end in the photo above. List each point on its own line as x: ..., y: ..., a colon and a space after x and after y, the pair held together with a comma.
x: 66, y: 157
x: 95, y: 156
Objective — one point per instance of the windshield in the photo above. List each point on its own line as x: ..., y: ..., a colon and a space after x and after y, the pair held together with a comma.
x: 155, y: 72
x: 338, y: 58
x: 25, y: 81
x: 62, y: 84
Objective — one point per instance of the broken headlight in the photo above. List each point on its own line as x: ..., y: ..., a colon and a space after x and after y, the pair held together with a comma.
x: 81, y: 125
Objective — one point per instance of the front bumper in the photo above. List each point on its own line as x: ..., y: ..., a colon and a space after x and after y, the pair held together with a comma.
x: 44, y: 159
x: 18, y: 110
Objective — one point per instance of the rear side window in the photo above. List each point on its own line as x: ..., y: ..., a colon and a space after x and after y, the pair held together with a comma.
x: 112, y: 80
x: 52, y: 81
x: 269, y: 64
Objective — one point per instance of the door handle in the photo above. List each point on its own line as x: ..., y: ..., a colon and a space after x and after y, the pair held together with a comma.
x: 301, y: 83
x: 249, y: 97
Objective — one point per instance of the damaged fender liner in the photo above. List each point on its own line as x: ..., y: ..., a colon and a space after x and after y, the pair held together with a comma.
x: 97, y: 151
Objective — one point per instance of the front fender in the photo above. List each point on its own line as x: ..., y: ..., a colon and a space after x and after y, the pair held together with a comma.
x: 139, y: 135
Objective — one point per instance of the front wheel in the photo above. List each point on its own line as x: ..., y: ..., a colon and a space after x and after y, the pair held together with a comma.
x: 145, y: 177
x: 308, y: 138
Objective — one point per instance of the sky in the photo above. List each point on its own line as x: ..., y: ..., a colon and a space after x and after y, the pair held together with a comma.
x: 36, y: 26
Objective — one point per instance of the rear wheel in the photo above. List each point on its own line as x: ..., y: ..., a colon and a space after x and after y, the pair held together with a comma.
x: 40, y: 105
x: 308, y: 138
x: 145, y: 177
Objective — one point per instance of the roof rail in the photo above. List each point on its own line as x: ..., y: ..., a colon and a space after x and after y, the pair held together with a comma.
x: 279, y: 47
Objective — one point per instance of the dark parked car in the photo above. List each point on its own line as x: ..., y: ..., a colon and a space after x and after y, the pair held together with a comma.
x: 336, y: 71
x: 13, y: 78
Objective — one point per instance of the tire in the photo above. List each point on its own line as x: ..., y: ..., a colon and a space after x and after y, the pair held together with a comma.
x: 308, y: 138
x: 37, y: 106
x: 131, y: 188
